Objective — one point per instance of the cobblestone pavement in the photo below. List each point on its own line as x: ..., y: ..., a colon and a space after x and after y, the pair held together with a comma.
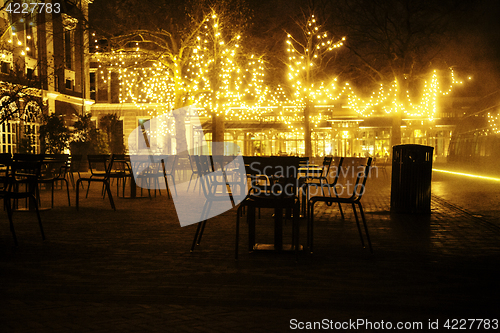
x: 131, y: 270
x: 478, y: 196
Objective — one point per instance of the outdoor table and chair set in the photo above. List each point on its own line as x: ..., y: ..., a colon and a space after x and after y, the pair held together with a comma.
x: 22, y: 175
x: 282, y: 184
x: 289, y: 186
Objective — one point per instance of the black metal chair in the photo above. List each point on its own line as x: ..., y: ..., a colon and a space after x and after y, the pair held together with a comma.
x: 22, y: 183
x: 306, y: 187
x: 216, y: 188
x: 5, y: 163
x: 54, y: 169
x: 120, y: 170
x: 323, y: 175
x: 99, y: 170
x: 75, y: 162
x: 149, y: 170
x: 194, y: 172
x: 354, y: 199
x: 381, y: 164
x: 168, y: 164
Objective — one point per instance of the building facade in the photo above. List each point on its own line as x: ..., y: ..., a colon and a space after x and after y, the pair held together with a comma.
x: 44, y: 67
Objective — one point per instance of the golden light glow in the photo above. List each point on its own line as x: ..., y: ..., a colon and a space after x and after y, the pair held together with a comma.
x: 494, y: 124
x: 467, y: 175
x: 219, y: 79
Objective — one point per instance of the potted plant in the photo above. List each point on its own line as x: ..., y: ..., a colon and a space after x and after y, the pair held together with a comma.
x: 110, y: 124
x: 54, y: 136
x: 86, y: 139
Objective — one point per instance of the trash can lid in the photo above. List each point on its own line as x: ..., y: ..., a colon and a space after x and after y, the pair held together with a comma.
x: 413, y: 145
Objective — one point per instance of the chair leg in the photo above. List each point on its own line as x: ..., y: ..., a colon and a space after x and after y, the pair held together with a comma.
x: 8, y: 206
x: 341, y: 212
x: 79, y: 176
x: 296, y: 229
x: 204, y: 214
x: 201, y: 232
x: 237, y: 242
x: 118, y: 187
x: 168, y: 189
x: 310, y: 227
x: 38, y: 216
x: 109, y: 195
x: 251, y: 227
x: 103, y: 191
x: 88, y: 188
x: 196, y: 235
x: 52, y: 194
x: 357, y: 223
x: 190, y: 179
x: 72, y: 179
x: 123, y: 186
x: 78, y: 191
x: 366, y: 227
x: 173, y: 182
x: 67, y: 190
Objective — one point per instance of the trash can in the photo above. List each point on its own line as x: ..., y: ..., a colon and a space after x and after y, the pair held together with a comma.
x: 411, y: 179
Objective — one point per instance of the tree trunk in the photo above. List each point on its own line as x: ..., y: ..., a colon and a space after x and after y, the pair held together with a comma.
x: 217, y: 135
x: 307, y: 129
x: 180, y: 131
x: 398, y: 114
x: 396, y: 129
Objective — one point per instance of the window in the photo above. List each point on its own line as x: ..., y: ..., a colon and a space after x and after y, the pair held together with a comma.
x: 30, y: 43
x: 5, y: 67
x: 92, y: 86
x: 68, y: 60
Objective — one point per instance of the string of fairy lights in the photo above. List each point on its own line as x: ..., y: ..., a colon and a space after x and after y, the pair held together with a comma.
x: 220, y: 80
x: 494, y: 123
x: 12, y: 42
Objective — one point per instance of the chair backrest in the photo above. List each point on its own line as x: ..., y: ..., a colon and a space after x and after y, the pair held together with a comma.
x: 303, y: 161
x: 5, y: 162
x: 334, y: 174
x: 5, y: 159
x: 98, y: 164
x: 207, y: 180
x: 350, y: 168
x: 120, y: 163
x: 327, y: 162
x: 362, y: 175
x: 64, y: 157
x: 169, y: 164
x: 55, y: 165
x: 27, y: 169
x: 192, y: 163
x: 218, y: 162
x: 20, y: 157
x: 75, y: 161
x: 140, y: 163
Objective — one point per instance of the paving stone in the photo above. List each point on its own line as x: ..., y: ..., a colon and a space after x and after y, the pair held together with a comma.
x: 131, y: 270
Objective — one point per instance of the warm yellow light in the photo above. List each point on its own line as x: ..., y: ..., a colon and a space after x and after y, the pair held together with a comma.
x: 467, y: 175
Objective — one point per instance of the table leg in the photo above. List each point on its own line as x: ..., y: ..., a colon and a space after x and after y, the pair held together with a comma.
x: 278, y: 228
x: 251, y: 227
x: 133, y: 187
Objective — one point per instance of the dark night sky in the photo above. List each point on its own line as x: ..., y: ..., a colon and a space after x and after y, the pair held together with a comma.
x: 477, y: 48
